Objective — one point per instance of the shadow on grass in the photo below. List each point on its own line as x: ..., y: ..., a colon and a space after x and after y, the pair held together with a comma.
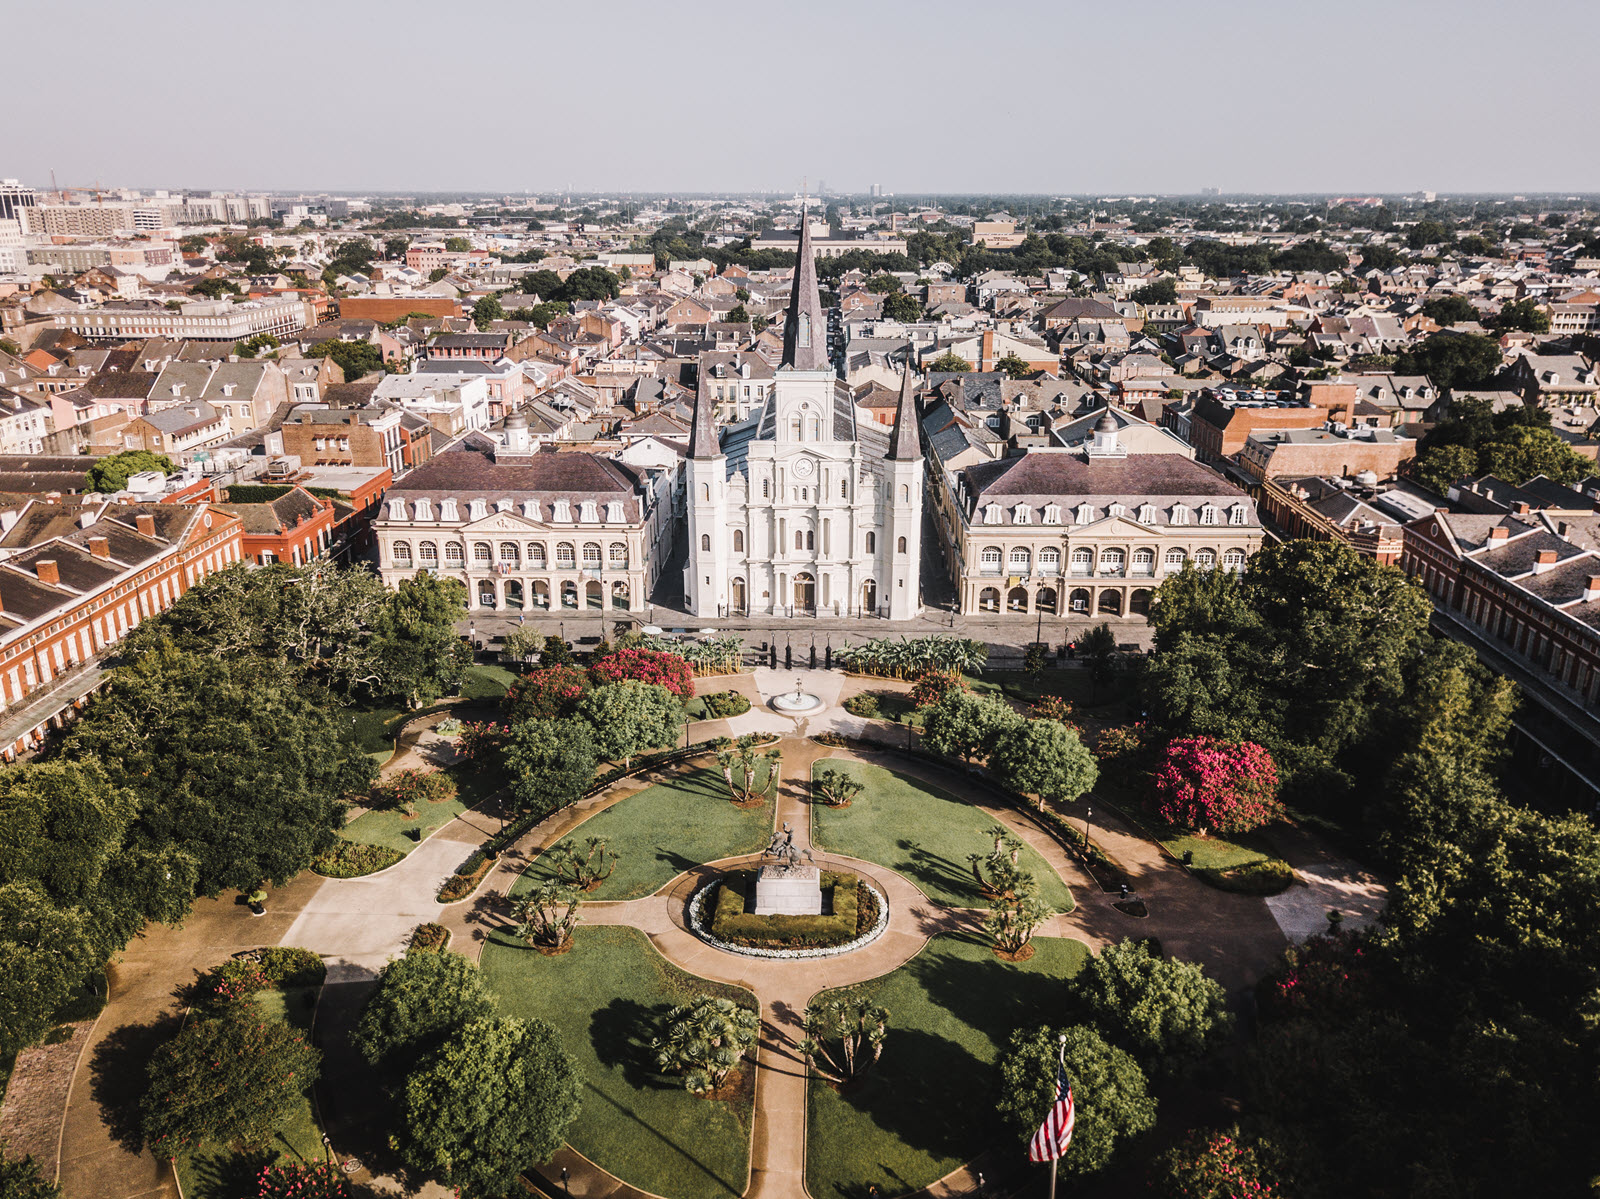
x: 118, y: 1075
x: 621, y: 1033
x: 927, y: 1093
x: 988, y: 995
x: 929, y: 869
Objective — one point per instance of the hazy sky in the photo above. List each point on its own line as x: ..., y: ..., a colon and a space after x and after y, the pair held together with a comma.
x: 1015, y: 95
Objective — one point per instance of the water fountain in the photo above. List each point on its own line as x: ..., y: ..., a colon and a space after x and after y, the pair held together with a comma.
x: 796, y: 702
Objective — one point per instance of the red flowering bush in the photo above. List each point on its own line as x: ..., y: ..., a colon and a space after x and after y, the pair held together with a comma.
x: 645, y: 666
x: 1328, y: 974
x: 411, y: 787
x: 1053, y: 707
x: 1205, y: 783
x: 227, y: 984
x: 546, y: 694
x: 933, y: 685
x: 1208, y: 1164
x: 479, y: 740
x: 302, y: 1180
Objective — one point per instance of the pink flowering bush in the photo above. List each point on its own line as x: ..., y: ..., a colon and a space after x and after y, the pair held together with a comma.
x: 545, y: 694
x: 302, y: 1180
x: 1328, y: 974
x: 1206, y: 784
x: 646, y: 666
x: 933, y: 685
x: 1209, y: 1164
x: 480, y: 740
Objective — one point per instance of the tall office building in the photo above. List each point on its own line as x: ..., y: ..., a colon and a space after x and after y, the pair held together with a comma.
x: 13, y: 199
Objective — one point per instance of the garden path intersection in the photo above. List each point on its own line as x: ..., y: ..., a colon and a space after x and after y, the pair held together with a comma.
x: 357, y: 924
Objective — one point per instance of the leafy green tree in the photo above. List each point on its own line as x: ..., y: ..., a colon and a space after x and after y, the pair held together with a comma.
x: 111, y: 474
x: 1518, y: 454
x: 396, y: 247
x: 1477, y: 246
x: 966, y: 725
x: 496, y: 1098
x: 1438, y: 469
x: 354, y: 358
x: 230, y: 762
x: 1450, y: 310
x: 950, y: 361
x: 1375, y: 257
x: 883, y: 284
x: 1157, y: 291
x: 705, y: 1040
x: 437, y: 273
x: 46, y: 952
x: 737, y: 315
x: 551, y: 763
x: 231, y: 1079
x: 20, y: 1179
x: 457, y: 245
x: 420, y: 1000
x: 629, y: 717
x: 1014, y: 367
x: 214, y: 288
x: 1452, y: 359
x: 487, y: 310
x: 1044, y: 758
x: 900, y: 306
x: 1167, y: 1013
x: 1110, y: 1096
x: 1525, y: 315
x: 416, y: 640
x: 1428, y: 233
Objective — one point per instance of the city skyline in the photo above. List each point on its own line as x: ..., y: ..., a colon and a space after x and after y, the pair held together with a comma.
x: 1255, y: 100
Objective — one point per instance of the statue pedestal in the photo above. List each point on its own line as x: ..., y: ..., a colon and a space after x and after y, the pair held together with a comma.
x: 782, y: 891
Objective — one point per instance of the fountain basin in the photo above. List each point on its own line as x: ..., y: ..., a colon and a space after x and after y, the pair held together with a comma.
x: 796, y: 703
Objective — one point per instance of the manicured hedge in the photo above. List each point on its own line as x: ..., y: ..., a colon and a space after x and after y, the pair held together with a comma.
x: 464, y: 881
x: 348, y: 859
x: 733, y: 924
x: 429, y: 938
x: 722, y: 704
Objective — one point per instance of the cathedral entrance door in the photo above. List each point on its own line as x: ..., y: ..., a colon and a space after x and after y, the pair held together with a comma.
x: 805, y: 592
x: 869, y: 598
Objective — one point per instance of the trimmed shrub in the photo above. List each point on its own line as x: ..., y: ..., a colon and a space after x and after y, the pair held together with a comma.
x: 411, y: 787
x: 722, y: 704
x: 933, y: 685
x: 864, y: 705
x: 465, y: 880
x: 347, y: 859
x: 291, y: 966
x: 428, y: 938
x: 733, y: 922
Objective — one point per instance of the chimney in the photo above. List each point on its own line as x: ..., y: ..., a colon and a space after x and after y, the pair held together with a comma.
x: 1499, y: 533
x: 145, y: 523
x: 1520, y: 507
x: 1591, y: 589
x: 100, y: 547
x: 1546, y: 560
x: 45, y: 568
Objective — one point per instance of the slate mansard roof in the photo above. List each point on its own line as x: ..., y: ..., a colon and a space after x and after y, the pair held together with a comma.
x: 1166, y: 482
x: 530, y: 485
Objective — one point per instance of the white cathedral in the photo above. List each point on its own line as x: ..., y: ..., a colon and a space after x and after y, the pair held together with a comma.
x: 803, y: 509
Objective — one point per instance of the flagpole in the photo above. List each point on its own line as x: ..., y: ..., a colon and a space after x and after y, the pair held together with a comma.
x: 1061, y: 1064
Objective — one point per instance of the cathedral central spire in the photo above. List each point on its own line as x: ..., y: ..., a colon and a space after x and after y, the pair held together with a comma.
x: 805, y: 328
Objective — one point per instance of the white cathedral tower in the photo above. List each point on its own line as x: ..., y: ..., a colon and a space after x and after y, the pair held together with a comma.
x: 800, y: 510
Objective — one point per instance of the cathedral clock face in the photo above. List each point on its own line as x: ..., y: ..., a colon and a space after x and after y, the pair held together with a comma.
x: 803, y: 468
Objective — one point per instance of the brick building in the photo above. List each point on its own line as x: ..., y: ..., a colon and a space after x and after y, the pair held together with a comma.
x: 74, y: 580
x: 322, y: 436
x: 1338, y: 453
x: 388, y: 309
x: 295, y: 527
x: 1219, y: 428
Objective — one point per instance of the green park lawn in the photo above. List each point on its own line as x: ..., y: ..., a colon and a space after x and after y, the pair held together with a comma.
x: 217, y: 1172
x: 925, y: 1109
x: 666, y: 829
x: 921, y: 832
x: 606, y: 998
x: 1244, y: 862
x: 487, y: 682
x: 1070, y: 682
x: 389, y: 828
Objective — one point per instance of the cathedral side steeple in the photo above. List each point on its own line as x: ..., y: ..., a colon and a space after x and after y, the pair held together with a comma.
x: 703, y: 432
x: 903, y: 442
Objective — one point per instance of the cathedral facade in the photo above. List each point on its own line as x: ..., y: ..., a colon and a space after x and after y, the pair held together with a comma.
x: 802, y: 509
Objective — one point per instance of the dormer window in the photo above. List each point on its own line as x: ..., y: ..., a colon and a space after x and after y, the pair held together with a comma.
x: 1022, y: 515
x: 1085, y: 514
x: 530, y: 509
x: 1116, y: 510
x: 1052, y: 514
x: 397, y: 510
x: 502, y: 505
x: 1147, y: 514
x: 478, y: 509
x: 1208, y: 515
x: 447, y: 510
x: 1180, y: 515
x: 563, y: 512
x: 590, y: 512
x: 424, y: 509
x: 614, y: 512
x: 1236, y: 514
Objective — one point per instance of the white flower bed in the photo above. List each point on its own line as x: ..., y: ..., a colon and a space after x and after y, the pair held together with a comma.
x: 697, y: 926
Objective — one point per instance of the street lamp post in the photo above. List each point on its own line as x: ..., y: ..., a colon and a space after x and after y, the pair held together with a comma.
x: 1088, y: 814
x: 565, y: 1175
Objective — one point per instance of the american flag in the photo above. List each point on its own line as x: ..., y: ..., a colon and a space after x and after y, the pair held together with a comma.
x: 1051, y: 1141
